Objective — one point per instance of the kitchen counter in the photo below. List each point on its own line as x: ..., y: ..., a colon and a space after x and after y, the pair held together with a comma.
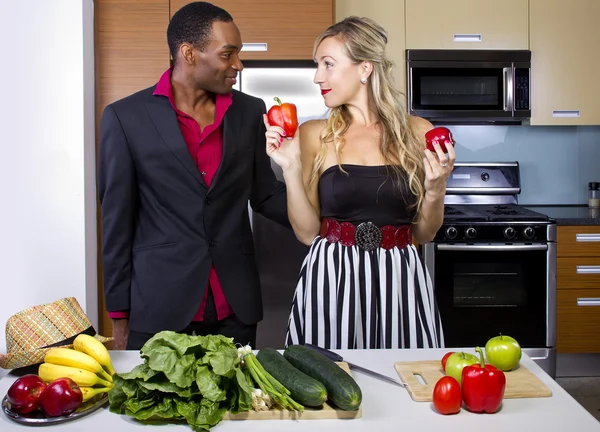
x: 385, y: 407
x: 569, y: 214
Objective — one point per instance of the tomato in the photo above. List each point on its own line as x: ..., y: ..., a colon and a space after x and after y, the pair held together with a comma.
x: 445, y: 359
x: 447, y: 396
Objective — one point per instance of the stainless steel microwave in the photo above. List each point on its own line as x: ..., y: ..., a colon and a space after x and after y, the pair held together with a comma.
x: 469, y: 86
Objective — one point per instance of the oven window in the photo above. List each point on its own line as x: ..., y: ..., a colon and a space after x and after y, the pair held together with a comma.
x: 481, y: 294
x: 489, y: 284
x: 457, y: 89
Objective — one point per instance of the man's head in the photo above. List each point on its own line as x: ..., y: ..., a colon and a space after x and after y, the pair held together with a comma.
x: 205, y: 43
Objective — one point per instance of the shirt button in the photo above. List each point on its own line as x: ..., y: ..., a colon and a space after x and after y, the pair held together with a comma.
x: 207, y: 201
x: 211, y: 243
x: 203, y: 173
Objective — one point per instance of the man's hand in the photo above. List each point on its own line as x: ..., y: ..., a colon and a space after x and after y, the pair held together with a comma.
x: 120, y: 333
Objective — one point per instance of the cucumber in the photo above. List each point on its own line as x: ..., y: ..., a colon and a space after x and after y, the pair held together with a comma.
x: 303, y: 389
x: 342, y: 390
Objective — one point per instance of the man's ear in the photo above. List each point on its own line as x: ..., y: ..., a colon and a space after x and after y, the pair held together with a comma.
x: 186, y: 52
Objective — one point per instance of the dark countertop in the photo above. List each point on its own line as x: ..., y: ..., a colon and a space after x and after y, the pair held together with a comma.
x: 568, y: 214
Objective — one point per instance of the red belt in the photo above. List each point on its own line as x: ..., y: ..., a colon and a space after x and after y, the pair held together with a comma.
x: 366, y: 235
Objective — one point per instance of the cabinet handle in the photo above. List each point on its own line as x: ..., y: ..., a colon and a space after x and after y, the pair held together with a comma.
x: 565, y: 113
x: 587, y: 237
x: 588, y: 302
x: 467, y: 38
x: 588, y: 269
x: 254, y: 47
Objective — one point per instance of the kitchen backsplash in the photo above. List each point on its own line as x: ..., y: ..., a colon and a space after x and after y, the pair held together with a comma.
x: 557, y: 163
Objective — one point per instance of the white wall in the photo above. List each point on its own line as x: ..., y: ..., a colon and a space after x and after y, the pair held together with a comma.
x: 47, y: 156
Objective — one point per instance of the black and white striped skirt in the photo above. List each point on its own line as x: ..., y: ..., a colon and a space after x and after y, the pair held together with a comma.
x: 349, y: 298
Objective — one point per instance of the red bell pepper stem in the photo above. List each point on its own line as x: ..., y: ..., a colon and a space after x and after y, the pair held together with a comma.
x: 481, y: 359
x: 276, y: 99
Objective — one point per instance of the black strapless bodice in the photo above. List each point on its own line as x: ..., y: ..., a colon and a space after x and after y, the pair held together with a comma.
x: 365, y: 193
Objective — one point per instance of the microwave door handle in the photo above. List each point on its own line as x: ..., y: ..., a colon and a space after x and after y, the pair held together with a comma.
x: 507, y: 84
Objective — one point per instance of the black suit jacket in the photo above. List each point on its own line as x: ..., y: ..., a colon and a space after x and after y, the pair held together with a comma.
x: 162, y: 227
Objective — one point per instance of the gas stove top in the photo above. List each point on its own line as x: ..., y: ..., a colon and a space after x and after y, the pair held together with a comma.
x: 481, y: 206
x: 495, y: 212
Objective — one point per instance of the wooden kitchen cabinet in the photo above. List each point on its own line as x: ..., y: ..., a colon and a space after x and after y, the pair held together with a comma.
x: 387, y: 13
x: 467, y: 24
x: 565, y: 38
x: 578, y: 321
x: 131, y: 53
x: 288, y: 28
x: 578, y: 289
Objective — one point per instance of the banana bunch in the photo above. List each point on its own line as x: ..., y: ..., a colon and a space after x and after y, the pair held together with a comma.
x: 88, y: 364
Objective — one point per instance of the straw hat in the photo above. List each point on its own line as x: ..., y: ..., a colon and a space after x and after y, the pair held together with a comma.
x: 32, y: 332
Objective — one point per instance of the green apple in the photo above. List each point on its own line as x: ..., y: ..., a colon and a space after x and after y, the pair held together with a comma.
x: 503, y: 352
x: 456, y: 362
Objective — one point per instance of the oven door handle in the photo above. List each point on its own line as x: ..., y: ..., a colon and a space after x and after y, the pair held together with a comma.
x: 492, y: 247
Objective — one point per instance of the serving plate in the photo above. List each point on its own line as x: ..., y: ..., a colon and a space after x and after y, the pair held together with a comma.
x: 37, y: 418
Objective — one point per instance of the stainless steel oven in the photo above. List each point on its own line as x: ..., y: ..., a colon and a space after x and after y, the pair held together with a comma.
x: 494, y: 265
x: 469, y: 86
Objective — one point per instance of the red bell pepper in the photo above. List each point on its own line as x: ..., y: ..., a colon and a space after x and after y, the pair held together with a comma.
x: 483, y: 386
x: 284, y: 116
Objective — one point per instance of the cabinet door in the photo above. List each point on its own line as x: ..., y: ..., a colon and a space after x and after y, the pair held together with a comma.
x: 565, y: 39
x: 467, y: 24
x: 578, y: 241
x: 387, y: 14
x: 578, y: 321
x: 286, y: 28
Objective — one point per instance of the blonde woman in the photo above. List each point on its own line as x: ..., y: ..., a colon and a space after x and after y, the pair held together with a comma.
x: 359, y: 185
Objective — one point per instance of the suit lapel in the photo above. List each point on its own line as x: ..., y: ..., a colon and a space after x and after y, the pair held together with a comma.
x: 165, y: 121
x: 230, y: 127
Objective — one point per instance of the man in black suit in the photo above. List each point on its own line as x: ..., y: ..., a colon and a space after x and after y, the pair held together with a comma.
x: 177, y: 165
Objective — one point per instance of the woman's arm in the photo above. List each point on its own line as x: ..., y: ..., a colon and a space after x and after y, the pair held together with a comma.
x: 438, y: 168
x: 295, y: 156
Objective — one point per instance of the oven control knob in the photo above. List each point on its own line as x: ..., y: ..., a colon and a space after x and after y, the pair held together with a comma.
x: 528, y: 233
x: 451, y: 233
x: 470, y: 233
x: 509, y: 233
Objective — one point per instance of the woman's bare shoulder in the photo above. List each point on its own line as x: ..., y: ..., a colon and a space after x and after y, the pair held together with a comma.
x: 311, y: 131
x: 419, y: 125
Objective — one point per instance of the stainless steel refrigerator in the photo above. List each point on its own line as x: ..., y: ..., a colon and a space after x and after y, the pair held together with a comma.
x: 279, y: 254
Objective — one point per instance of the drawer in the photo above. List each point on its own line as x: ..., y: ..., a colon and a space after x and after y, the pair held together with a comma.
x: 578, y: 321
x: 578, y: 241
x: 580, y: 272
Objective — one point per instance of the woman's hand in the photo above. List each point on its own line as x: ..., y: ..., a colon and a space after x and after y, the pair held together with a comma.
x: 438, y: 168
x: 285, y: 151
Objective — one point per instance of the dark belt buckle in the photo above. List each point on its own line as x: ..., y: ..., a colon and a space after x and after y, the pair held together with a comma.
x: 348, y: 234
x: 334, y: 231
x: 368, y: 236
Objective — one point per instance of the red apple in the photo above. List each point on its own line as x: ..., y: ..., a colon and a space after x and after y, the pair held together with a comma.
x: 445, y: 359
x: 25, y: 393
x: 440, y: 134
x: 61, y: 397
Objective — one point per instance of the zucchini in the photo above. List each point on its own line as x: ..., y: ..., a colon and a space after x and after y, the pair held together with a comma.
x: 342, y: 390
x: 303, y: 389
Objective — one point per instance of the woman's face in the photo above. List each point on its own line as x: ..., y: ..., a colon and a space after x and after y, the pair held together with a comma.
x: 337, y: 76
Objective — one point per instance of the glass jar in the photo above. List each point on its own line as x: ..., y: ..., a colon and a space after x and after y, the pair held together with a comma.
x: 594, y: 195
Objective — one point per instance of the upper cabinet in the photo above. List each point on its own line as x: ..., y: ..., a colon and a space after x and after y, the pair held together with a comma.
x: 468, y: 24
x: 387, y: 13
x: 275, y: 29
x: 565, y: 39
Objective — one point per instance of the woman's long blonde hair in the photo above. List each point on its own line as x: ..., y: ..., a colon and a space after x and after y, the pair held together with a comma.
x: 365, y: 40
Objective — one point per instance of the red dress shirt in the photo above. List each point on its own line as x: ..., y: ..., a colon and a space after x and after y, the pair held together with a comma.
x: 206, y: 149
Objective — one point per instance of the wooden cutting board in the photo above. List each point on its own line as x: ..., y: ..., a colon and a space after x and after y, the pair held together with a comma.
x: 325, y: 412
x: 520, y: 383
